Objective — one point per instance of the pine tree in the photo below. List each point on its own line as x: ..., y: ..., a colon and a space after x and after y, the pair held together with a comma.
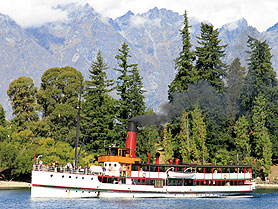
x: 98, y: 106
x: 242, y: 140
x: 199, y: 135
x: 262, y: 144
x: 261, y: 79
x: 136, y: 92
x: 183, y: 64
x: 130, y: 90
x: 209, y: 65
x: 235, y: 76
x: 167, y: 143
x: 184, y: 139
x: 123, y: 84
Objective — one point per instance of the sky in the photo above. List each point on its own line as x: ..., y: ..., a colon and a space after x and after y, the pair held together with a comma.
x: 261, y: 14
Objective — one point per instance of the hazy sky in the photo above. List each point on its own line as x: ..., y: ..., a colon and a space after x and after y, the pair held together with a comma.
x: 261, y: 14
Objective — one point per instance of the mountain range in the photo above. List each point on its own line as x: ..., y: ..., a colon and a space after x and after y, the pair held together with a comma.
x: 153, y: 37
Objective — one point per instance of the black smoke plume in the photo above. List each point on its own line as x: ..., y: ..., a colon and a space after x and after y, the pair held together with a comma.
x: 212, y: 104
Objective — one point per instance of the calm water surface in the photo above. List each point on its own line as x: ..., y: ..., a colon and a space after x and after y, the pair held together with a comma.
x: 259, y: 199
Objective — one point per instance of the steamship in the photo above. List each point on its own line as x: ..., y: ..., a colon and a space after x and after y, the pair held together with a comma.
x: 124, y: 175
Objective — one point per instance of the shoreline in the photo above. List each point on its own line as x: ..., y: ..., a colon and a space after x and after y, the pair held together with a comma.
x: 14, y: 185
x: 266, y: 186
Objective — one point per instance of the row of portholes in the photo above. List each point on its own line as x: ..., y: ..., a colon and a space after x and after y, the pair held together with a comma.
x: 77, y: 191
x: 70, y: 177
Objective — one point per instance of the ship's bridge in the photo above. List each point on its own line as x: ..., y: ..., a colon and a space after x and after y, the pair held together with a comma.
x: 120, y: 155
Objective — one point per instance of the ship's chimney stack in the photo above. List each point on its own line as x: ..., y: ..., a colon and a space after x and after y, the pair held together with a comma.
x: 131, y: 137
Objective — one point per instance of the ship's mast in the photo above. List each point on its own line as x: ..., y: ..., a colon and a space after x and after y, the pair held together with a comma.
x: 77, y: 127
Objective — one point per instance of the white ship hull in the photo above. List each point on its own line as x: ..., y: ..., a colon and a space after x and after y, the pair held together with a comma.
x: 68, y: 185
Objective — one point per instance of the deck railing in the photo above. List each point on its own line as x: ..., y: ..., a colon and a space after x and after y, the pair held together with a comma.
x: 62, y: 169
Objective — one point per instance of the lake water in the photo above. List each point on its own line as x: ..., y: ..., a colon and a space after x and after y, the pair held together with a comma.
x: 259, y: 199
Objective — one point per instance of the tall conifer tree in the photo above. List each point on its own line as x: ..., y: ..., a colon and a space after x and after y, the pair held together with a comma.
x: 209, y: 65
x: 261, y: 79
x: 136, y: 93
x: 242, y: 141
x: 183, y: 64
x: 235, y: 76
x: 199, y: 134
x: 123, y: 84
x: 262, y: 144
x: 98, y: 106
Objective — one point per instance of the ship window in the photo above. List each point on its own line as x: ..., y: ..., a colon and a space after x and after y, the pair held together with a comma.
x: 76, y: 177
x: 92, y: 178
x: 109, y: 164
x: 104, y: 180
x: 51, y: 175
x: 115, y: 165
x: 82, y: 177
x: 63, y: 176
x: 69, y: 176
x: 105, y: 165
x: 135, y: 167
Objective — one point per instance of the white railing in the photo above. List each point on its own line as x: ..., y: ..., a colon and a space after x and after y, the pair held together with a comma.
x: 62, y: 169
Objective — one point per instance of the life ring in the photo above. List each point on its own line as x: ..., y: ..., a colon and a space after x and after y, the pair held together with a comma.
x: 144, y: 175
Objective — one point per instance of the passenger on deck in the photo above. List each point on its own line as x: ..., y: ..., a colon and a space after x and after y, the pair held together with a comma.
x: 40, y: 163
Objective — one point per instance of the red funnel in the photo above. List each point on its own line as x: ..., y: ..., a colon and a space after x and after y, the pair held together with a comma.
x: 131, y: 137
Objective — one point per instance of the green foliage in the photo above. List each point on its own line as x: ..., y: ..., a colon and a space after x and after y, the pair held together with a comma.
x: 209, y: 65
x: 199, y: 135
x: 63, y: 123
x: 59, y: 86
x: 3, y: 121
x: 167, y: 143
x: 98, y: 107
x: 146, y: 139
x: 235, y: 76
x: 185, y: 148
x: 130, y: 90
x: 261, y: 140
x: 16, y: 155
x: 261, y: 79
x: 59, y: 151
x: 136, y: 92
x: 222, y: 157
x: 22, y: 93
x: 242, y: 140
x: 58, y: 97
x: 183, y: 64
